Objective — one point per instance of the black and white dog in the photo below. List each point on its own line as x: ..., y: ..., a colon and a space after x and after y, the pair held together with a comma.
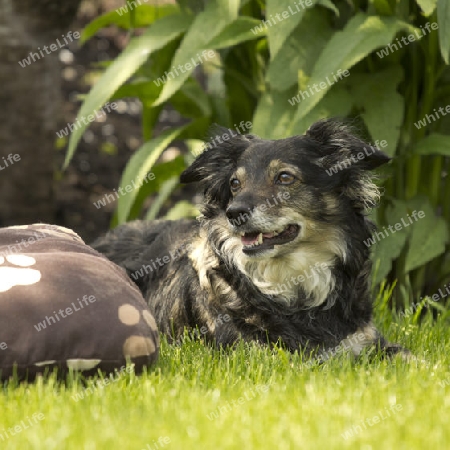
x: 278, y: 253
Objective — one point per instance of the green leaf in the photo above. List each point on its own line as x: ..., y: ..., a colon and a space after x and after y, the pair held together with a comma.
x: 139, y: 166
x: 384, y: 253
x: 383, y: 107
x: 336, y: 103
x: 215, y: 86
x: 192, y: 100
x: 427, y: 6
x: 159, y: 62
x: 195, y: 147
x: 241, y: 91
x: 206, y: 26
x: 136, y: 53
x: 163, y: 171
x: 146, y: 91
x: 362, y: 35
x: 443, y: 16
x: 429, y: 234
x: 272, y: 119
x: 433, y: 144
x: 390, y: 241
x: 144, y: 16
x: 382, y: 7
x: 330, y: 5
x: 395, y: 211
x: 149, y: 119
x: 181, y: 210
x: 165, y: 192
x: 282, y: 17
x: 236, y: 32
x: 198, y: 127
x: 294, y: 55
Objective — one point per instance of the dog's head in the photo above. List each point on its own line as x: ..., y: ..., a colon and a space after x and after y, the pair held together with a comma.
x: 287, y: 199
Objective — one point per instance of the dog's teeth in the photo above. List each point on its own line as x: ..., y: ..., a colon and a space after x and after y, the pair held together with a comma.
x: 260, y: 238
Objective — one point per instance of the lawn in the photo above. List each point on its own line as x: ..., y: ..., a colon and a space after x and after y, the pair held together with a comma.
x: 248, y: 398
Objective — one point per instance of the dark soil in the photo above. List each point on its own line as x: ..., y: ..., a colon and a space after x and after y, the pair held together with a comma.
x: 107, y: 145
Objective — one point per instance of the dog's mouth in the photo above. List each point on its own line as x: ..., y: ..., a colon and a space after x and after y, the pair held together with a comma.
x: 257, y: 241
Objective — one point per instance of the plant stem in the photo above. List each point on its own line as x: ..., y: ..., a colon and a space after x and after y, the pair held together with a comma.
x: 413, y: 164
x: 446, y: 195
x: 435, y: 180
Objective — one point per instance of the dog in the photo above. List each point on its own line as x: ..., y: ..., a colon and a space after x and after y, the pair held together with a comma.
x: 277, y: 255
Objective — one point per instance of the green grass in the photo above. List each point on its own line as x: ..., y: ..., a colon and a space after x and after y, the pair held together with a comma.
x: 267, y: 399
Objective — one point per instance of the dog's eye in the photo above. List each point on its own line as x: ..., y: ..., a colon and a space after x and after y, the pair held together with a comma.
x: 235, y: 184
x: 285, y: 178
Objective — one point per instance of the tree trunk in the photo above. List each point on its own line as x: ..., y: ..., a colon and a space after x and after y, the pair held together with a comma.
x: 29, y: 106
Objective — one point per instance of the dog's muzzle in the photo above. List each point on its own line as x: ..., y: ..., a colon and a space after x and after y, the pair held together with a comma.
x: 255, y: 236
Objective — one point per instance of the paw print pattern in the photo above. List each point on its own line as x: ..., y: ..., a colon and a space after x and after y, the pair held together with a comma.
x: 20, y: 275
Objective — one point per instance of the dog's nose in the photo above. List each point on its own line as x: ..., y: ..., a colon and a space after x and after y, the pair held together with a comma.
x: 238, y: 214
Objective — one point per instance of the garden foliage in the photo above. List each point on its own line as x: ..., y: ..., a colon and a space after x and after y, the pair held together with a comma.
x: 279, y: 64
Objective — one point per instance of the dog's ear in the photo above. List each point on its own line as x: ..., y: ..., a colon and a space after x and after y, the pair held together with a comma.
x: 338, y: 145
x: 221, y: 153
x: 213, y: 168
x: 347, y: 160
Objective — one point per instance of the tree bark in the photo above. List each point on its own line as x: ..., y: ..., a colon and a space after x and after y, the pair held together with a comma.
x: 30, y: 100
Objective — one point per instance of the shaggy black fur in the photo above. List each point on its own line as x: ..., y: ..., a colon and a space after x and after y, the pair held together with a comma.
x: 191, y: 271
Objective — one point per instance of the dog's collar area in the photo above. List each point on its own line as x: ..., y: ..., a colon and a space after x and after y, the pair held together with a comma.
x: 256, y: 241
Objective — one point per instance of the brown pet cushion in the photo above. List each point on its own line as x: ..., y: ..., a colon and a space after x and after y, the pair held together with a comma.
x: 64, y: 305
